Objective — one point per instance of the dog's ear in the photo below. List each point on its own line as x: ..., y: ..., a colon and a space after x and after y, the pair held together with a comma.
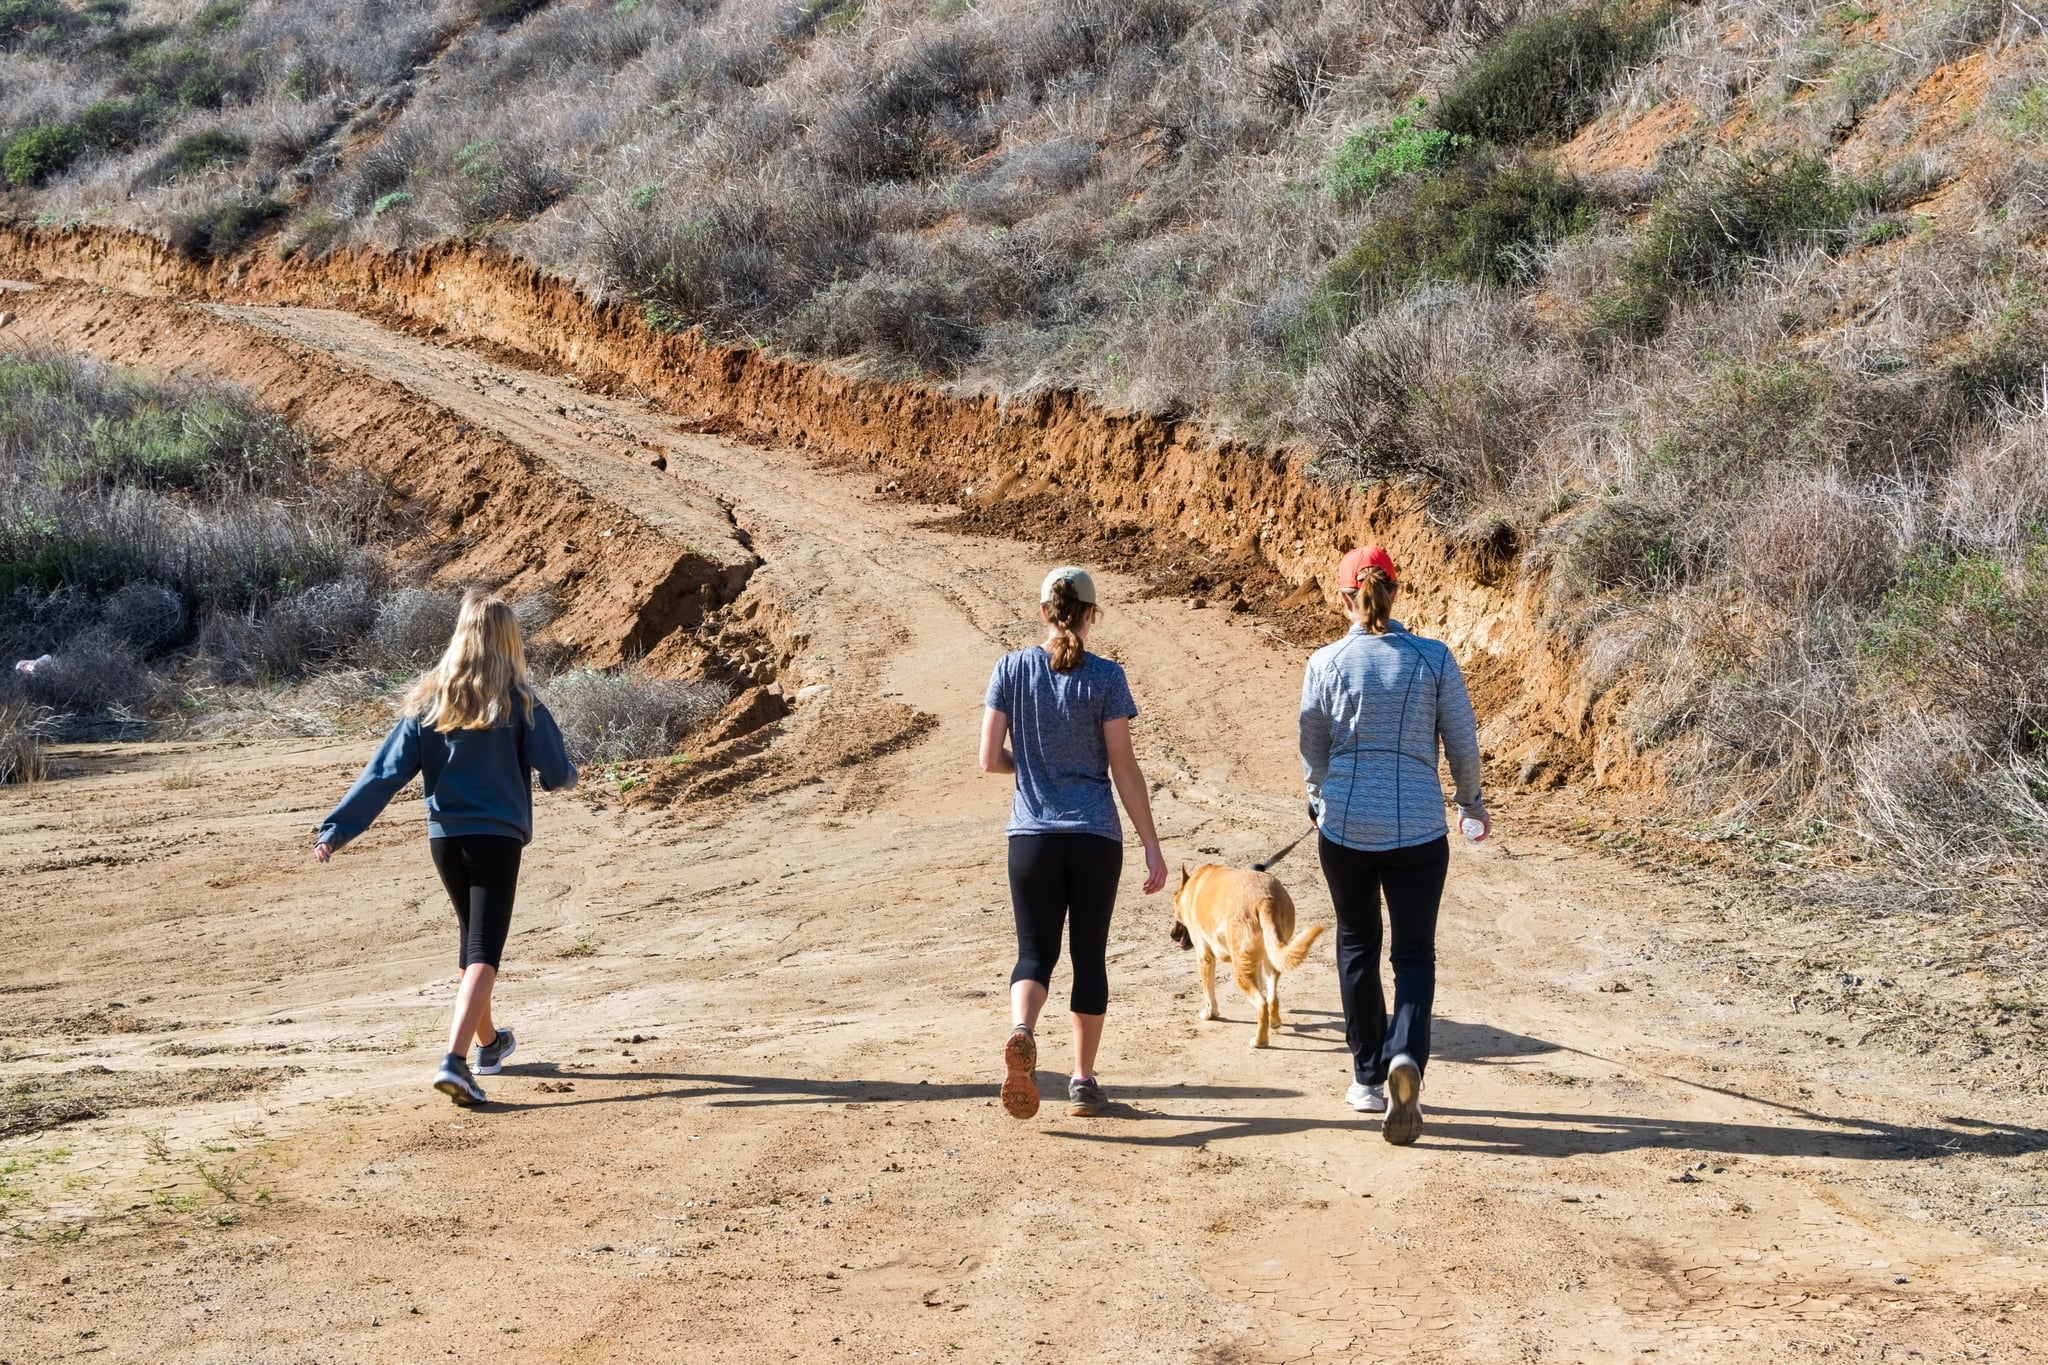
x: 1183, y: 878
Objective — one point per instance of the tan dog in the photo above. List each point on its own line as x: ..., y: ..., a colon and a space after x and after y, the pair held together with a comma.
x: 1246, y: 919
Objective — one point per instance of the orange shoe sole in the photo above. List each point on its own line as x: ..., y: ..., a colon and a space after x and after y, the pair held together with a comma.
x: 1020, y: 1083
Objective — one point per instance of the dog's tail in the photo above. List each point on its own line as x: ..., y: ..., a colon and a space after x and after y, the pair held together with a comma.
x: 1285, y: 956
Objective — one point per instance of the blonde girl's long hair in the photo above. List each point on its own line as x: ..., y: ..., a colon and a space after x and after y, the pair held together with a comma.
x: 480, y: 673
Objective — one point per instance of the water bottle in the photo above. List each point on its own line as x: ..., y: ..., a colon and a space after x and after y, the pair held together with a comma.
x: 1473, y: 830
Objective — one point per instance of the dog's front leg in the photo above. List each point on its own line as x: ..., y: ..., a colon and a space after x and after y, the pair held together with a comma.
x: 1209, y: 1010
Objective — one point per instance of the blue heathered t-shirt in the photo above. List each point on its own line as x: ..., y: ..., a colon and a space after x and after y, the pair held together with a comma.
x: 1056, y: 724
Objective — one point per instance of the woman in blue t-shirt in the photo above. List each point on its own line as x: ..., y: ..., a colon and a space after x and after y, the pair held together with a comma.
x: 1066, y: 717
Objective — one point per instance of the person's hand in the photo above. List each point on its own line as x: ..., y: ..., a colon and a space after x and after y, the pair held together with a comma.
x: 1155, y: 869
x: 322, y: 852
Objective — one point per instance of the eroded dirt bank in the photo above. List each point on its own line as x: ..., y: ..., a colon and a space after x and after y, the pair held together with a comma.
x: 1234, y: 520
x: 751, y: 1116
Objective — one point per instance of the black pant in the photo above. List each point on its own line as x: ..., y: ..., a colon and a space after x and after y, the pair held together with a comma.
x: 1413, y: 879
x: 1071, y: 879
x: 481, y: 871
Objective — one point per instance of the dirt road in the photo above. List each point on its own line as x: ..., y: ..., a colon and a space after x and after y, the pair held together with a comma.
x: 751, y: 1116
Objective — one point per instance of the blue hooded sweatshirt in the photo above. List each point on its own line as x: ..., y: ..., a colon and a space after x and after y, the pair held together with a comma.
x: 476, y: 781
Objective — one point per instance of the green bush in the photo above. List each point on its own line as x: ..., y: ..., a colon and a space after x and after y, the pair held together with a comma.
x: 1478, y: 221
x: 214, y: 147
x: 1545, y: 77
x: 1376, y: 157
x: 41, y: 152
x: 120, y: 124
x: 1707, y: 231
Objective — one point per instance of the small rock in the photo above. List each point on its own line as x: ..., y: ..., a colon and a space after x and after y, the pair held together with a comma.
x: 812, y: 692
x: 1198, y: 603
x: 1685, y: 1178
x: 659, y: 462
x: 601, y: 1246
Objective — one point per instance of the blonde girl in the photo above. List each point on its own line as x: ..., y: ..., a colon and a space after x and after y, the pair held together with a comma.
x: 473, y: 732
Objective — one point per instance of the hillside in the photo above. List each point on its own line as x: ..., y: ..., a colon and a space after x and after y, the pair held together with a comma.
x: 1718, y: 326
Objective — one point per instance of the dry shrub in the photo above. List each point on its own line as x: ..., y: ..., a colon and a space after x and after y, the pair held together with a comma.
x: 1453, y: 385
x: 413, y: 626
x: 1814, y: 544
x: 1994, y: 497
x: 628, y: 713
x: 25, y: 728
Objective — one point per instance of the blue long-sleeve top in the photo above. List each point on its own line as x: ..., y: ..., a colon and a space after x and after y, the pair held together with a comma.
x: 1373, y: 710
x: 476, y: 780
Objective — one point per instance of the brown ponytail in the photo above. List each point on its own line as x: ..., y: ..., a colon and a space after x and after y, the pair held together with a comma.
x: 1372, y: 606
x: 1065, y: 612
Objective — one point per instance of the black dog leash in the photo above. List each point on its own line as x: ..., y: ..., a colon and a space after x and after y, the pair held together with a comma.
x: 1261, y: 867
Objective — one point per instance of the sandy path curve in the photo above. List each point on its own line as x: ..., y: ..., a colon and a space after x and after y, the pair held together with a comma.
x: 798, y: 1157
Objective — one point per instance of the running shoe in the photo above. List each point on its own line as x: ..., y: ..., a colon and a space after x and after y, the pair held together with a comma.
x: 1366, y: 1099
x: 1404, y: 1091
x: 1085, y: 1098
x: 490, y: 1058
x: 454, y: 1081
x: 1020, y: 1081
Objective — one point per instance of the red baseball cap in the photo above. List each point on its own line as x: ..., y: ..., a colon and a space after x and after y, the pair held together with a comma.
x: 1356, y: 562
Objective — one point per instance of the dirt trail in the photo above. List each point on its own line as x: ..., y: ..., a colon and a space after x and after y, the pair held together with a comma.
x: 751, y: 1114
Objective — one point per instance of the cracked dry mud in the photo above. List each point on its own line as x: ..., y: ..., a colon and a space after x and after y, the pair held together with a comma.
x: 752, y: 1118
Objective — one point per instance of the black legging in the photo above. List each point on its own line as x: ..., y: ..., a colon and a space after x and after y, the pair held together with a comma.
x: 1071, y: 879
x: 481, y: 871
x: 1413, y: 880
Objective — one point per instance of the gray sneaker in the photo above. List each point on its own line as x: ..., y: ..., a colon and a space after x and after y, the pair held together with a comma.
x: 454, y: 1081
x: 1403, y: 1123
x: 1085, y: 1098
x: 1366, y: 1099
x: 490, y: 1059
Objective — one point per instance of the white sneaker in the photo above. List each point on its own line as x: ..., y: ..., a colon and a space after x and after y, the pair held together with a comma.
x: 1366, y: 1099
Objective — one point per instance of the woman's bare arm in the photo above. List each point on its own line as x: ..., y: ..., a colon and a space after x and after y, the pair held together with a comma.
x: 1130, y: 785
x: 995, y: 747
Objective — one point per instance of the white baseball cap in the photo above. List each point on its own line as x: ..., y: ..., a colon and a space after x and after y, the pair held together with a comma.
x: 1083, y: 585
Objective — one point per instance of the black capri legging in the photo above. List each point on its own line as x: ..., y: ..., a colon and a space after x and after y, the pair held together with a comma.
x: 1070, y: 879
x: 481, y: 871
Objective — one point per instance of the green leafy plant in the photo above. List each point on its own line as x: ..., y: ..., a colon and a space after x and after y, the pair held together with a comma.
x: 1374, y: 158
x: 397, y: 199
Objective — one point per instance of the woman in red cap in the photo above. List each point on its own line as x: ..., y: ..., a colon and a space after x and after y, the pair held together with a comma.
x: 1375, y: 705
